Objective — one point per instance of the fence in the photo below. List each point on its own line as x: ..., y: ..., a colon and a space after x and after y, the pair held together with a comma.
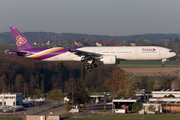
x: 44, y: 107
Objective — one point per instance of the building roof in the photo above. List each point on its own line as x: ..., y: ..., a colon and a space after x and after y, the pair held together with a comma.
x: 166, y: 90
x: 163, y: 103
x: 127, y: 99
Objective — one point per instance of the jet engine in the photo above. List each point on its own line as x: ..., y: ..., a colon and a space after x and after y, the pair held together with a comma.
x: 109, y: 59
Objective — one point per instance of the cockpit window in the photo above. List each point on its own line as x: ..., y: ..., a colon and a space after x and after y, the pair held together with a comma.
x: 170, y: 51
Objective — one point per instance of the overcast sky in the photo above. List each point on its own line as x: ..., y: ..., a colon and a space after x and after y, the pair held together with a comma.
x: 100, y: 17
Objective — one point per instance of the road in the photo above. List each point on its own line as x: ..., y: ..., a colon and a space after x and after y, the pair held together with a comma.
x: 92, y: 108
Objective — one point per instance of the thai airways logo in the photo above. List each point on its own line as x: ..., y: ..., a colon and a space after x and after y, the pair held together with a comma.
x: 20, y: 40
x: 148, y: 50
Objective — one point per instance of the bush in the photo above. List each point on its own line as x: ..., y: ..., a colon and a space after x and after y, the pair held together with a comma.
x: 136, y: 107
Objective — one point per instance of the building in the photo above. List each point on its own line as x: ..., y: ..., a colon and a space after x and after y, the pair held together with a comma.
x: 144, y: 95
x: 98, y: 44
x: 163, y: 93
x: 158, y: 107
x: 11, y: 99
x: 111, y: 42
x: 124, y: 103
x: 164, y: 101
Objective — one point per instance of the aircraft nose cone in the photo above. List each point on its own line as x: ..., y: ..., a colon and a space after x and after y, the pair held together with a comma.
x: 174, y: 54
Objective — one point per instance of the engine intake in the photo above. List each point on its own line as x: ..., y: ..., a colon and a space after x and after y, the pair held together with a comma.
x: 109, y: 59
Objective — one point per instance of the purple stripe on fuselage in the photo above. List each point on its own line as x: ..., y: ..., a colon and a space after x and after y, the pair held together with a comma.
x: 53, y: 54
x: 36, y: 50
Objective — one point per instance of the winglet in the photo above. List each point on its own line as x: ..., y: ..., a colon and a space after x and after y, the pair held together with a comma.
x: 21, y: 41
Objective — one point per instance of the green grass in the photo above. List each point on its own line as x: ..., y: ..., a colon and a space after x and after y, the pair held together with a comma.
x: 110, y: 119
x: 100, y: 119
x: 103, y: 110
x: 67, y: 114
x: 7, y: 115
x: 138, y: 115
x: 10, y: 118
x: 147, y: 64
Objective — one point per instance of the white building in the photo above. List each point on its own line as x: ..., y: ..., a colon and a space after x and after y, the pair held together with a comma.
x: 163, y: 102
x: 11, y: 99
x: 124, y: 104
x: 163, y: 92
x: 158, y: 107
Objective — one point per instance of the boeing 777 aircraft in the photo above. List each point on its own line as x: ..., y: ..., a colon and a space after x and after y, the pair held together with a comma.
x: 90, y: 55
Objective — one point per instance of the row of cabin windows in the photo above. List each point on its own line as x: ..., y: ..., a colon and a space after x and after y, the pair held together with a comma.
x: 118, y: 52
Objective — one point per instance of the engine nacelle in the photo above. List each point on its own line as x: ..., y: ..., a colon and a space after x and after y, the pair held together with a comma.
x: 109, y: 59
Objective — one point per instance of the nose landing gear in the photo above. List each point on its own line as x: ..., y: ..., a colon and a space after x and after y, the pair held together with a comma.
x: 162, y: 64
x: 163, y: 61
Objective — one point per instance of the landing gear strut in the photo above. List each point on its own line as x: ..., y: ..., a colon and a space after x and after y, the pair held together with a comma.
x: 90, y: 64
x: 163, y: 61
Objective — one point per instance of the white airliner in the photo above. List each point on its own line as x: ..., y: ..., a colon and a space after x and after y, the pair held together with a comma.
x: 90, y: 55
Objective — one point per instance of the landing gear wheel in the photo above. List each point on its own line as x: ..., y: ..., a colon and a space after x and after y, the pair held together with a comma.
x: 91, y: 66
x: 95, y: 65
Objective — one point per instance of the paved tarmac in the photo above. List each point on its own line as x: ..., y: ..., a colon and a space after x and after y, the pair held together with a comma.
x: 55, y: 111
x: 92, y: 108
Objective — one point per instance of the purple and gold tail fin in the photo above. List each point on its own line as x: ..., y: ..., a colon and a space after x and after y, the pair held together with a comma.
x: 21, y: 41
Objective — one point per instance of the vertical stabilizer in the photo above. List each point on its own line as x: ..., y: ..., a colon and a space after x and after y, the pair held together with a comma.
x: 21, y: 41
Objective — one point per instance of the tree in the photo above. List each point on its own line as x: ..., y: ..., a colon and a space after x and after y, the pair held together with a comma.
x: 144, y: 80
x: 139, y: 42
x: 70, y: 41
x: 2, y: 83
x: 156, y: 86
x: 115, y: 81
x: 19, y: 83
x: 136, y: 107
x: 150, y: 86
x: 165, y: 83
x: 80, y: 94
x: 68, y: 107
x: 131, y: 85
x: 120, y: 93
x: 175, y: 84
x: 55, y: 95
x: 151, y: 108
x: 37, y: 92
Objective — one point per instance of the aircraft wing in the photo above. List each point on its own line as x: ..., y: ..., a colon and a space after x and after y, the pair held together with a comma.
x: 86, y: 55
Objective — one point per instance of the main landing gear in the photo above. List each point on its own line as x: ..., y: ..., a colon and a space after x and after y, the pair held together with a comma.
x: 90, y: 63
x: 91, y: 66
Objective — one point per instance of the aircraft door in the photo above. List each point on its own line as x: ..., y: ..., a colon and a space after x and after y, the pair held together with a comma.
x: 160, y: 53
x: 136, y: 53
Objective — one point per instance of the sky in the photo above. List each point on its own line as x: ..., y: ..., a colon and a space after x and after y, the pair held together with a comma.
x: 99, y: 17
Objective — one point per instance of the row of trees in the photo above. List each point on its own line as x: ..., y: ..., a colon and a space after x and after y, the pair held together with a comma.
x: 33, y: 77
x: 6, y: 37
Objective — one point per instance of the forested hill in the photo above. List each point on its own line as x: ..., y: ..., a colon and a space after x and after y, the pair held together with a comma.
x: 6, y: 37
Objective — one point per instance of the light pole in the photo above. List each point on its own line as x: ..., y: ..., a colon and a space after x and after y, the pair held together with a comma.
x: 166, y: 107
x: 72, y: 94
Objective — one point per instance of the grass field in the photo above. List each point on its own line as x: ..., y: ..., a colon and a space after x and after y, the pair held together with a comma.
x: 10, y: 118
x: 148, y: 64
x: 129, y: 117
x: 139, y: 116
